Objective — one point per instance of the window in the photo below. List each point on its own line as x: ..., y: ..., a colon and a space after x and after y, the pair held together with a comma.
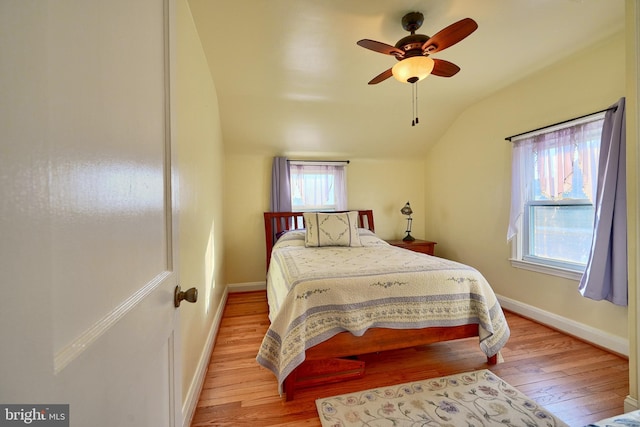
x: 554, y: 182
x: 318, y: 186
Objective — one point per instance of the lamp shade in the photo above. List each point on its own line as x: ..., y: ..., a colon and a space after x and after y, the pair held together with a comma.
x: 406, y: 210
x: 413, y: 69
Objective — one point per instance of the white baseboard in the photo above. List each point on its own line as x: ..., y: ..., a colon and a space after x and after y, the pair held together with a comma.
x: 596, y: 336
x: 630, y: 404
x: 193, y: 395
x: 247, y: 287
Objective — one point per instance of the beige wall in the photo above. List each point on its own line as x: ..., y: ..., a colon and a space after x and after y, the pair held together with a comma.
x: 381, y: 185
x: 468, y: 178
x: 201, y: 166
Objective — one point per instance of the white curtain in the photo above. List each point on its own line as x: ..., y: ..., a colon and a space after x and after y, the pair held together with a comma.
x: 606, y: 276
x: 545, y: 167
x: 520, y: 187
x: 319, y: 185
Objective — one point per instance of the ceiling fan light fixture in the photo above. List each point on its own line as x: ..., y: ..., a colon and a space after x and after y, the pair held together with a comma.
x: 413, y: 69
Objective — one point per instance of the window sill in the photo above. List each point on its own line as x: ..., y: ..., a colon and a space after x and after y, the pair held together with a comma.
x: 545, y: 269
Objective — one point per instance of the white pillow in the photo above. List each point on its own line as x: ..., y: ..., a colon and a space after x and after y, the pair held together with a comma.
x: 331, y: 229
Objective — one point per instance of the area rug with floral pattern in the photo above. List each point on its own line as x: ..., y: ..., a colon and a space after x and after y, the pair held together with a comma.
x: 477, y: 398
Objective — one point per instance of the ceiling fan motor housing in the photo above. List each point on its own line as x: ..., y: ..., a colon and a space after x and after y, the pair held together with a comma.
x: 412, y: 44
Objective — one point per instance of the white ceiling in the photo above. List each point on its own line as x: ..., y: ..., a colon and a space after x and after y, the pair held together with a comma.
x: 291, y: 79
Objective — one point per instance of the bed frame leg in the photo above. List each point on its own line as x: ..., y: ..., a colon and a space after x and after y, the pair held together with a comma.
x: 290, y: 386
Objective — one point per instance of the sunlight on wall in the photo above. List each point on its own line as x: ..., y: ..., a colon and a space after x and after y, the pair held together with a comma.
x: 209, y: 268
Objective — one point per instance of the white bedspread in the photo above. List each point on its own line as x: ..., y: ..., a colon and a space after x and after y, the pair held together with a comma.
x: 316, y: 293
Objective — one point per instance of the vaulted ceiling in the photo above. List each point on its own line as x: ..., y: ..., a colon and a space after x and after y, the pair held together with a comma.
x: 291, y: 80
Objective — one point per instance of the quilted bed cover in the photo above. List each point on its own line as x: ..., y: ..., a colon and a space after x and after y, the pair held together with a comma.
x: 316, y: 293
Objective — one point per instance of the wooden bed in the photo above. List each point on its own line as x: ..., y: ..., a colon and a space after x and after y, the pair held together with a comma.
x: 332, y: 360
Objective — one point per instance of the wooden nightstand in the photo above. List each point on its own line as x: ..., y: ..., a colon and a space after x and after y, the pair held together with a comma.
x: 422, y: 246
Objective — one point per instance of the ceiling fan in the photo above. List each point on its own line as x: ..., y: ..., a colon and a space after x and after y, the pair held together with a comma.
x: 413, y: 51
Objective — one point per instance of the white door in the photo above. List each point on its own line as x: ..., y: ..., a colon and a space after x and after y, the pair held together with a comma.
x: 86, y: 215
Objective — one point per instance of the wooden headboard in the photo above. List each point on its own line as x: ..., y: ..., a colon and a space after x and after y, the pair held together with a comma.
x: 277, y: 222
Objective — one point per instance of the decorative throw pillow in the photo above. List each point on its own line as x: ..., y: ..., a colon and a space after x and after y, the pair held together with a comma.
x: 331, y: 229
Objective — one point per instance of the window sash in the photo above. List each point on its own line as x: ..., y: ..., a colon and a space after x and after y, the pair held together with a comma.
x: 551, y: 242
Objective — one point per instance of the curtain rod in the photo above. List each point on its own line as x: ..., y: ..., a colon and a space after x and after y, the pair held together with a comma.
x: 614, y: 108
x: 320, y: 161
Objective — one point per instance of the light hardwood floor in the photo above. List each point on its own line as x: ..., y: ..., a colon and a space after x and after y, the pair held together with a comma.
x: 576, y: 381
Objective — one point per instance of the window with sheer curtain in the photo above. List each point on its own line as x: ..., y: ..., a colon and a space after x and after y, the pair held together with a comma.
x: 318, y: 186
x: 554, y: 180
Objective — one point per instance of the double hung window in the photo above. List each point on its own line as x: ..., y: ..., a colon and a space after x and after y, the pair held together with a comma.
x: 554, y: 180
x: 318, y: 186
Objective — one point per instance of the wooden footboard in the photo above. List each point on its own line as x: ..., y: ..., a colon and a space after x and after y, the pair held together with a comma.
x: 321, y: 367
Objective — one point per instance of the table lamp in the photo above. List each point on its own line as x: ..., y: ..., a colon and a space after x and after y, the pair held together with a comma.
x: 406, y: 210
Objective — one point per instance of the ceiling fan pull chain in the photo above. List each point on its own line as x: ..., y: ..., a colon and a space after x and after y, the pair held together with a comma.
x: 413, y: 104
x: 417, y: 121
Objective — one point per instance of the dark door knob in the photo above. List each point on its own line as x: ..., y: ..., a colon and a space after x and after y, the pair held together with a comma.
x: 190, y: 295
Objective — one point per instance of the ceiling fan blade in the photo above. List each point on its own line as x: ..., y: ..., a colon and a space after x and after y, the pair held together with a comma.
x: 381, y: 77
x: 380, y: 47
x: 444, y: 68
x: 450, y: 35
